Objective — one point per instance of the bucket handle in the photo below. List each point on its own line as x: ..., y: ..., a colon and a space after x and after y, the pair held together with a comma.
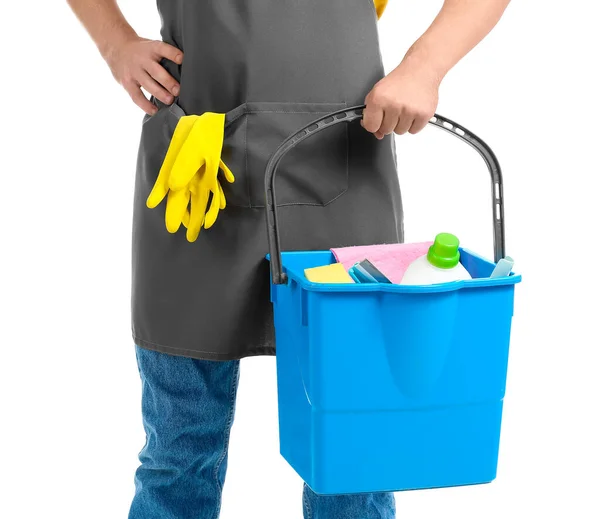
x: 351, y: 114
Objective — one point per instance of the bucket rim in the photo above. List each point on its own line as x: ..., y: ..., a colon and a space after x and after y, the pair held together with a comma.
x: 299, y: 278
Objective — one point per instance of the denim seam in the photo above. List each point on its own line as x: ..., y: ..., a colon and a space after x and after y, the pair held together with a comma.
x: 232, y: 395
x: 307, y: 507
x: 143, y: 384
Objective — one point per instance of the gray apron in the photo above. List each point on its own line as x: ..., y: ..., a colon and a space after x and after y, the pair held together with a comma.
x: 272, y: 66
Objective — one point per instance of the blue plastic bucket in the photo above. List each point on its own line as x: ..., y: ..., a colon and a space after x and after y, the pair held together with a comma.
x: 389, y: 387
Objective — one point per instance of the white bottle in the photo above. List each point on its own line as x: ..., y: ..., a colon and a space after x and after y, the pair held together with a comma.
x: 440, y: 265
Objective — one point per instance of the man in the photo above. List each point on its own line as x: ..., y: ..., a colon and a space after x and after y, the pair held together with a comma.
x: 269, y: 65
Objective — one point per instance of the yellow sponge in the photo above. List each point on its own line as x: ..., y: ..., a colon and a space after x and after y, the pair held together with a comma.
x: 335, y: 273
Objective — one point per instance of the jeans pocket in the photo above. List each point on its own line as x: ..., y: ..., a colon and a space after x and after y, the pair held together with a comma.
x: 313, y: 173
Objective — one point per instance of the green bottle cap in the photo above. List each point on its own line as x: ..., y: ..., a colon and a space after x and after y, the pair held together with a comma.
x: 444, y: 252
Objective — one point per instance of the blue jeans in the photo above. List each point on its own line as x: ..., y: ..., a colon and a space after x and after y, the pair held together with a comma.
x: 188, y: 407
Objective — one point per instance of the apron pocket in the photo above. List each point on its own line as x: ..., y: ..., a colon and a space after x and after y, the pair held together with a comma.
x: 313, y: 173
x: 157, y: 131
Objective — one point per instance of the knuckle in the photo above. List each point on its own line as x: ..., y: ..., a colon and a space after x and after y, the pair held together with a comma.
x: 148, y: 63
x: 379, y: 99
x: 131, y: 88
x: 386, y: 127
x: 168, y: 82
x: 408, y: 110
x: 394, y: 106
x: 423, y: 112
x: 397, y: 108
x: 132, y: 74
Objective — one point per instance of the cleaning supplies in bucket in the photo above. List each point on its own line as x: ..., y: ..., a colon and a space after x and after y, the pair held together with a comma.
x: 428, y: 263
x: 365, y: 272
x: 334, y: 273
x: 503, y: 268
x: 391, y: 259
x: 441, y: 264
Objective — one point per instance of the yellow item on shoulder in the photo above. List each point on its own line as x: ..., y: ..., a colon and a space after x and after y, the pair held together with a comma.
x: 380, y: 6
x: 335, y: 273
x: 189, y: 175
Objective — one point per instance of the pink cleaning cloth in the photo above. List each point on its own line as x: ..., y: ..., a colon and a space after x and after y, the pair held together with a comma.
x: 391, y: 259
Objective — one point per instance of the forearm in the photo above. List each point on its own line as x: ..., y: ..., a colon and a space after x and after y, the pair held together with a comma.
x: 104, y: 21
x: 459, y: 26
x: 134, y: 62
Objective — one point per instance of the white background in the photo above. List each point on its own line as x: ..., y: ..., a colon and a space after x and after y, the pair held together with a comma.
x: 69, y: 388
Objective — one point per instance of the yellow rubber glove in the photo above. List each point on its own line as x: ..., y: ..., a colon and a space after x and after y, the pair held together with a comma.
x: 380, y: 6
x: 189, y: 175
x: 197, y: 211
x: 202, y: 148
x: 161, y: 187
x: 177, y: 204
x: 198, y: 216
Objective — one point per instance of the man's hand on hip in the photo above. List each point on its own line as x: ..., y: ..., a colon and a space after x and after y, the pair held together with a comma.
x: 135, y: 64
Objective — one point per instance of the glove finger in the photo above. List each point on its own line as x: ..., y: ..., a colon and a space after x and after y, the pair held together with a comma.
x: 213, y: 211
x: 161, y: 186
x: 223, y: 204
x: 177, y: 204
x: 194, y: 184
x: 213, y: 126
x: 186, y: 218
x: 227, y: 172
x: 209, y: 178
x: 191, y: 157
x: 215, y: 131
x: 197, y: 214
